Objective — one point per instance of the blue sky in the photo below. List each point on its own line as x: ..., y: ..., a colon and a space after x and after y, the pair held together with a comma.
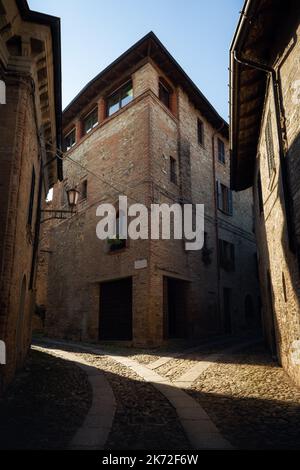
x: 196, y: 32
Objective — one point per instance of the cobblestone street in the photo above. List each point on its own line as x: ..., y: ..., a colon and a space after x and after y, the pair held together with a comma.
x: 219, y: 394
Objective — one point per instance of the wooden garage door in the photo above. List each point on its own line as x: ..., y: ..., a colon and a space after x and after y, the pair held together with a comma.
x: 115, y: 316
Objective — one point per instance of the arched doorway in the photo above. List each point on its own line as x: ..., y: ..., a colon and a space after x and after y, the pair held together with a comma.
x: 20, y: 323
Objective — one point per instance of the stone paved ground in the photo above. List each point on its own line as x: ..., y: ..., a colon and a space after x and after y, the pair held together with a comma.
x: 251, y: 400
x: 178, y: 366
x: 147, y: 356
x: 143, y: 419
x: 45, y: 405
x: 246, y: 395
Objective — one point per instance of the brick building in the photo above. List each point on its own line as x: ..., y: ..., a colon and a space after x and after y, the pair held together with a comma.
x: 142, y: 128
x: 30, y: 129
x: 265, y: 126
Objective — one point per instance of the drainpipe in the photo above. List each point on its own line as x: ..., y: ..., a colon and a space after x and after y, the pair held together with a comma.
x: 36, y: 229
x: 216, y: 221
x: 284, y: 179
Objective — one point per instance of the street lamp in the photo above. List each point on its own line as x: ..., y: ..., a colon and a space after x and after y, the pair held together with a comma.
x: 73, y: 195
x: 48, y: 214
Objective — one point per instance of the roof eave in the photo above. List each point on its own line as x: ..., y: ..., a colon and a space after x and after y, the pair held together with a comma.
x: 236, y: 183
x: 209, y: 109
x: 54, y: 23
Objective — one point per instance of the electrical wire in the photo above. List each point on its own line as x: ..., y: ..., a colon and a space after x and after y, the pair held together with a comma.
x: 225, y: 224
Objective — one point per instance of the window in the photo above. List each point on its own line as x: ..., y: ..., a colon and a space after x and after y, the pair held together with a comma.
x: 224, y: 198
x: 70, y: 140
x: 227, y: 255
x: 206, y: 251
x: 83, y: 190
x: 200, y: 132
x: 120, y: 98
x: 31, y: 198
x: 164, y: 94
x: 115, y: 243
x: 284, y: 290
x: 90, y: 121
x: 173, y: 173
x: 221, y: 151
x: 259, y: 194
x: 269, y: 145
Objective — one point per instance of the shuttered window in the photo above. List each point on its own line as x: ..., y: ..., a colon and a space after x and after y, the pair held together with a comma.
x: 224, y: 198
x: 200, y: 132
x: 31, y: 198
x: 259, y: 194
x: 221, y: 151
x: 270, y: 145
x: 227, y: 255
x: 173, y: 170
x: 83, y: 190
x: 164, y: 94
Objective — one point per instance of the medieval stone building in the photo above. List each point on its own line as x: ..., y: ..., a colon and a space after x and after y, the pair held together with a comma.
x: 141, y: 128
x: 265, y: 127
x: 30, y: 129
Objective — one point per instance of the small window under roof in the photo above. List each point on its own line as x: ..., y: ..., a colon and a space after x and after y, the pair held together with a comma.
x: 120, y: 98
x: 90, y: 121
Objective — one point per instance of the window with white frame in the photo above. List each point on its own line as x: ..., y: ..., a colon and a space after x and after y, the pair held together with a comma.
x: 120, y: 98
x: 70, y: 140
x: 90, y: 121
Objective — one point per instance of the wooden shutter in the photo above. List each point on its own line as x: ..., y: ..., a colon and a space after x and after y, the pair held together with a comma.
x: 219, y: 194
x: 31, y: 198
x: 269, y: 145
x: 230, y: 204
x: 232, y: 256
x: 221, y: 252
x: 259, y: 193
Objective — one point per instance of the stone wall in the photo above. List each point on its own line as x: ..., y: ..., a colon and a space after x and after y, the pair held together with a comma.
x: 279, y: 269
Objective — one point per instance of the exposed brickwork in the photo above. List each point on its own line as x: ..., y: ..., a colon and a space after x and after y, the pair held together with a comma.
x: 18, y: 145
x: 23, y: 127
x: 131, y: 151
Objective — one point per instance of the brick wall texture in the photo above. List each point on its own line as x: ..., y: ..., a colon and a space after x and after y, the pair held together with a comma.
x: 128, y: 153
x: 28, y: 136
x: 19, y: 155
